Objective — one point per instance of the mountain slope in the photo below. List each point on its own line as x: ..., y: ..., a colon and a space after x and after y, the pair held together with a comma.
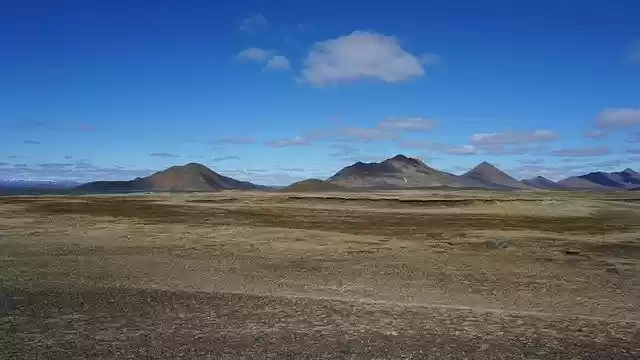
x: 190, y: 177
x: 540, y: 182
x: 397, y: 172
x: 312, y: 185
x: 491, y: 176
x: 577, y: 182
x: 627, y: 177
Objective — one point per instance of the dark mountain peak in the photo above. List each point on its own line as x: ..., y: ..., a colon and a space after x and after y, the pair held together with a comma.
x: 629, y: 171
x: 404, y: 160
x: 491, y: 175
x: 192, y: 166
x: 485, y: 166
x: 400, y: 157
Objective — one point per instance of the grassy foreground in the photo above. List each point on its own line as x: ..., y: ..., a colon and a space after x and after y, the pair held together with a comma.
x: 381, y: 275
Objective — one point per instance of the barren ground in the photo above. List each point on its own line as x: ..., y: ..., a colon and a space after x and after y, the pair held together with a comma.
x: 381, y: 275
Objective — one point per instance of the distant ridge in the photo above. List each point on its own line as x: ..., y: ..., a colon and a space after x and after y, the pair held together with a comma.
x: 491, y: 176
x: 540, y: 182
x: 189, y: 177
x: 397, y: 172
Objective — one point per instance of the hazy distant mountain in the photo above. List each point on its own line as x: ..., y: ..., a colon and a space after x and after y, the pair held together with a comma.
x: 37, y: 184
x: 190, y: 177
x: 397, y: 172
x: 627, y: 178
x: 540, y: 182
x: 312, y: 185
x: 491, y: 176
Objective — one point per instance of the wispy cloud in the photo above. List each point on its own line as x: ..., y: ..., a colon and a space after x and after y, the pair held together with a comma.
x: 387, y: 129
x: 633, y: 151
x: 531, y: 161
x: 225, y: 158
x: 346, y: 152
x: 255, y: 54
x: 460, y: 150
x: 75, y: 171
x: 254, y: 23
x: 367, y: 134
x: 583, y: 152
x: 164, y: 155
x: 292, y: 169
x: 288, y: 142
x: 437, y: 146
x: 513, y: 149
x: 618, y: 118
x: 513, y: 137
x: 235, y: 141
x: 279, y: 63
x: 406, y: 124
x: 362, y: 55
x: 272, y: 61
x: 31, y: 142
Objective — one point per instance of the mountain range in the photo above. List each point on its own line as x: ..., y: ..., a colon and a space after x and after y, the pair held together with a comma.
x: 404, y: 172
x: 394, y: 173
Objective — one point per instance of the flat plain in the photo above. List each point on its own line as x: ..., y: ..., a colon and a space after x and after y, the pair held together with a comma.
x: 344, y: 275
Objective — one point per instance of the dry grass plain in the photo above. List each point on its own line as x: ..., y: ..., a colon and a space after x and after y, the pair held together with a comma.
x: 268, y: 275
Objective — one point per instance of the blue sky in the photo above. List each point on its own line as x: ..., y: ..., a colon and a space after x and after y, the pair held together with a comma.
x: 275, y: 91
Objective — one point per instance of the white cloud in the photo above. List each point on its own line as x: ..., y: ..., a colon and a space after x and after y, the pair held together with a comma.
x: 164, y: 155
x: 406, y: 124
x: 225, y: 158
x: 437, y: 147
x: 513, y: 137
x: 294, y: 141
x: 254, y: 23
x: 361, y: 55
x: 461, y: 150
x: 278, y: 62
x: 618, y: 118
x: 255, y: 54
